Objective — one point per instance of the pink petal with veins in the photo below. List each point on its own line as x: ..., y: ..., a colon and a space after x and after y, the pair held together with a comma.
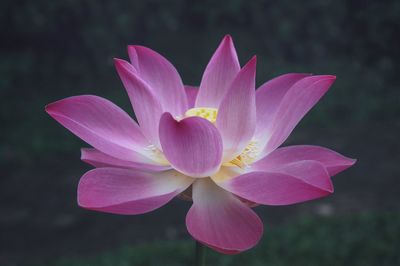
x: 220, y: 220
x: 146, y: 105
x: 127, y: 191
x: 295, y: 183
x: 102, y: 124
x: 99, y: 159
x: 268, y: 98
x: 236, y: 120
x: 218, y: 75
x: 331, y: 160
x: 162, y: 78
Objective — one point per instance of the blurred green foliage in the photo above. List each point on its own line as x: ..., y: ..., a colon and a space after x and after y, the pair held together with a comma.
x: 54, y: 49
x: 364, y: 240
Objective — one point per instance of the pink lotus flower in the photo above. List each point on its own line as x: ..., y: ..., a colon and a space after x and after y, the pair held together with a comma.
x: 217, y: 145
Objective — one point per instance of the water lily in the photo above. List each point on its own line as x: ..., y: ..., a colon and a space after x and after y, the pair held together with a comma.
x: 217, y: 145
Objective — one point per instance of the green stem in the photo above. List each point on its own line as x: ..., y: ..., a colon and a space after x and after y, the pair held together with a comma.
x: 200, y: 255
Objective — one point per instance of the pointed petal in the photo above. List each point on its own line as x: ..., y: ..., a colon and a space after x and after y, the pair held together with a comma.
x: 303, y: 95
x: 295, y: 183
x: 162, y: 78
x: 127, y: 191
x: 193, y: 145
x: 147, y: 108
x: 333, y: 162
x: 100, y: 123
x: 99, y: 159
x: 191, y: 94
x: 236, y: 118
x: 220, y: 72
x: 220, y: 220
x: 269, y: 96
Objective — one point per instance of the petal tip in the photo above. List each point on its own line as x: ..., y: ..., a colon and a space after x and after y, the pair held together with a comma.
x: 131, y: 47
x: 124, y: 67
x: 326, y: 77
x: 119, y: 63
x: 253, y: 61
x: 51, y: 108
x: 351, y: 161
x: 48, y: 108
x: 250, y: 65
x: 228, y: 38
x: 227, y: 43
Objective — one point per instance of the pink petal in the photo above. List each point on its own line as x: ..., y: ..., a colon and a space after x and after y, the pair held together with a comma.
x: 191, y: 94
x: 220, y: 220
x: 99, y: 159
x: 331, y: 160
x: 193, y: 145
x: 162, y: 78
x: 269, y: 96
x: 147, y: 108
x: 101, y: 124
x: 296, y: 182
x: 220, y: 72
x: 303, y: 95
x: 127, y: 191
x: 236, y: 119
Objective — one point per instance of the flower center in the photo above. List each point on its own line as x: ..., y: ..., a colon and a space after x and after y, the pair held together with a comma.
x: 248, y: 155
x: 205, y: 112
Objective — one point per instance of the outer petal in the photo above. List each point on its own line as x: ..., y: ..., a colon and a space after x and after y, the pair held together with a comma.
x: 193, y: 145
x: 236, y: 119
x: 161, y: 76
x: 296, y: 103
x: 99, y: 159
x: 191, y: 94
x: 147, y: 108
x: 220, y: 220
x: 297, y: 182
x: 269, y: 96
x: 331, y: 160
x: 126, y: 191
x: 220, y: 72
x: 101, y: 124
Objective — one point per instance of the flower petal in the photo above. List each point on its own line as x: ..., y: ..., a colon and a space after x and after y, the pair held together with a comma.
x: 269, y: 96
x: 100, y: 123
x: 220, y: 220
x: 147, y: 108
x: 333, y: 162
x: 303, y: 95
x: 193, y: 145
x: 220, y: 72
x: 236, y: 118
x: 99, y: 159
x: 162, y: 78
x: 127, y: 191
x: 191, y: 94
x: 296, y: 182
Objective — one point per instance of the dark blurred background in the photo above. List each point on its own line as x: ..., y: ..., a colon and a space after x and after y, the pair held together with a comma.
x: 54, y: 49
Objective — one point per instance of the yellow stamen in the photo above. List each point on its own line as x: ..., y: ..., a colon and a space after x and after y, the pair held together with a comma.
x: 248, y: 155
x: 205, y: 112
